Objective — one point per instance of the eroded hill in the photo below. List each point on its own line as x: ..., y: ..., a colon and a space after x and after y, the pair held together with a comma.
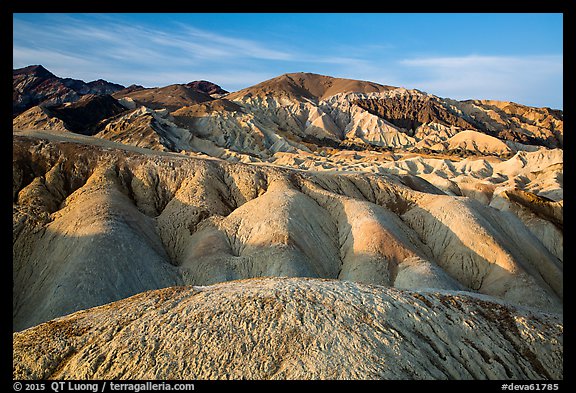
x: 95, y: 224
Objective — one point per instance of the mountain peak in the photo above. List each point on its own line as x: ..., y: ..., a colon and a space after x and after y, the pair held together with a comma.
x: 101, y: 86
x: 207, y: 87
x: 311, y: 86
x: 36, y: 70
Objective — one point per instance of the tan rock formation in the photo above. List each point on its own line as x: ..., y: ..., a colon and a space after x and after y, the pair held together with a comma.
x: 104, y: 223
x: 294, y: 328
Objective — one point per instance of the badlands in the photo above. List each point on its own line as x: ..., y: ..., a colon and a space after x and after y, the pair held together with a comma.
x: 307, y: 227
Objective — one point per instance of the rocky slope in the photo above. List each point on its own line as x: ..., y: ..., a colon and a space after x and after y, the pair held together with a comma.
x: 281, y: 328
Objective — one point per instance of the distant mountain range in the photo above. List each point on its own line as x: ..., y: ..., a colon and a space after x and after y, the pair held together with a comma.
x: 298, y: 112
x: 35, y: 85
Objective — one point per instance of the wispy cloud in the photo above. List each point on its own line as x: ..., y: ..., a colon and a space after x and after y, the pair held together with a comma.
x: 494, y: 77
x: 152, y: 56
x: 234, y: 46
x: 30, y: 56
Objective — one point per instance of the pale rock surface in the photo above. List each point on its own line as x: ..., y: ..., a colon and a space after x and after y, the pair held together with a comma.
x: 80, y: 257
x: 127, y: 102
x: 295, y: 328
x: 478, y: 142
x: 418, y: 273
x: 280, y: 233
x: 149, y: 128
x: 38, y: 118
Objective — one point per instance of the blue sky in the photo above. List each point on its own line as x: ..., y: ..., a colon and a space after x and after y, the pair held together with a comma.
x: 512, y: 57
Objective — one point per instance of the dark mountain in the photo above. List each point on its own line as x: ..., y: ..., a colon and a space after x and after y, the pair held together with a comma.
x: 36, y: 70
x: 35, y: 85
x: 101, y: 86
x: 411, y: 111
x: 125, y: 91
x: 84, y: 115
x: 207, y: 87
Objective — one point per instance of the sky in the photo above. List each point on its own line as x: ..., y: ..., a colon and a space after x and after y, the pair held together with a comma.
x: 509, y: 57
